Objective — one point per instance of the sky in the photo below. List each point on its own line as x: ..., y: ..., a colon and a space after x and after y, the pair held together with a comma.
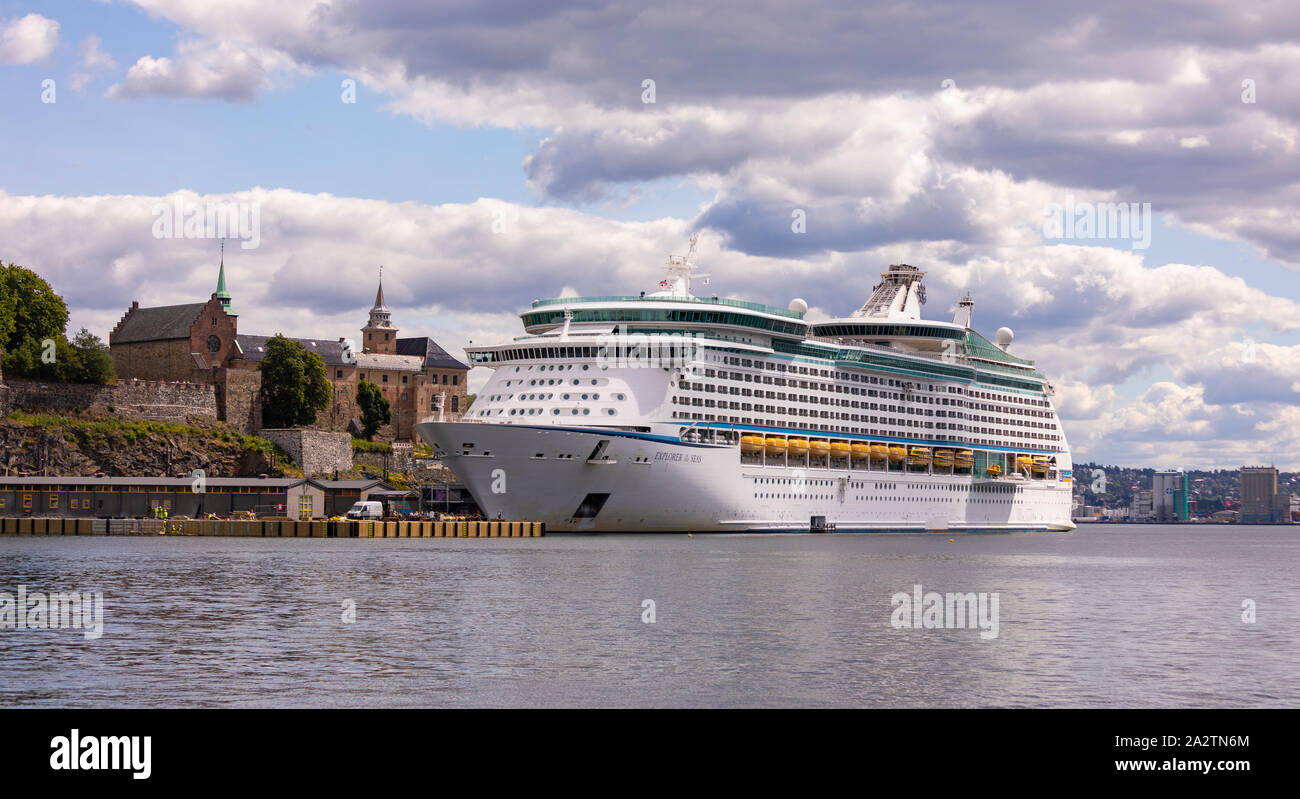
x: 488, y: 153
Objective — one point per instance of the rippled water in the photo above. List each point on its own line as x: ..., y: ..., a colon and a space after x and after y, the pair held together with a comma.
x: 1104, y: 616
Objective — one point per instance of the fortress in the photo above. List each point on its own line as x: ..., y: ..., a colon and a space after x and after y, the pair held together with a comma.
x: 201, y: 343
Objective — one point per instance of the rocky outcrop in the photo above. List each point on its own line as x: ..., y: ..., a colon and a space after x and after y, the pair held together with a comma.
x: 67, y: 447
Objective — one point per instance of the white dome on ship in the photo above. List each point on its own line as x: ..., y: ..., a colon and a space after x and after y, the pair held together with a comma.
x: 1004, y: 337
x: 798, y: 306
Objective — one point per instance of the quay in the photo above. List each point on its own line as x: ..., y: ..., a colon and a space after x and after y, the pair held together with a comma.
x: 271, y: 528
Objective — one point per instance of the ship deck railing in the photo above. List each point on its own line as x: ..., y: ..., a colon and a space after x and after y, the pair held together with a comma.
x: 750, y: 306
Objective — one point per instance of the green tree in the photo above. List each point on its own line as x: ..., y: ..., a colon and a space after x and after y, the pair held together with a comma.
x: 30, y: 314
x: 96, y: 362
x: 375, y: 409
x: 56, y: 362
x: 294, y: 386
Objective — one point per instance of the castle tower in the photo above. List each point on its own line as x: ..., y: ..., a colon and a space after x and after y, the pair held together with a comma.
x: 379, y: 335
x: 223, y: 293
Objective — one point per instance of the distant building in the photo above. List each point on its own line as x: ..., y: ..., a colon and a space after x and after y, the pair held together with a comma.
x: 138, y: 497
x: 1144, y: 506
x: 169, y: 342
x: 200, y: 342
x: 1260, y: 501
x: 1170, y: 497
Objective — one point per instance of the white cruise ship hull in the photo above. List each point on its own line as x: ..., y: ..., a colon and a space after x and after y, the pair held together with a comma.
x: 654, y: 482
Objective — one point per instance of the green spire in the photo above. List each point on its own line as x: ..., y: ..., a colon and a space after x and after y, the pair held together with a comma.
x: 223, y: 293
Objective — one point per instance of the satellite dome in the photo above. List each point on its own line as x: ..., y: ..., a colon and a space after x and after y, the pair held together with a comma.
x: 798, y: 306
x: 1004, y: 337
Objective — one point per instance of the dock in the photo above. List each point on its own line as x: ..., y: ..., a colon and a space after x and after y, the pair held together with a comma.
x: 270, y: 528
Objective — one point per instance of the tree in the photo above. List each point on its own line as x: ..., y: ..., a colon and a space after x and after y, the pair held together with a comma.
x: 56, y: 361
x: 294, y: 386
x: 375, y: 408
x: 31, y: 314
x: 96, y: 362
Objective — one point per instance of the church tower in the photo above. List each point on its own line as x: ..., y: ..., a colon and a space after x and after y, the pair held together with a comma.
x: 379, y: 335
x: 223, y: 293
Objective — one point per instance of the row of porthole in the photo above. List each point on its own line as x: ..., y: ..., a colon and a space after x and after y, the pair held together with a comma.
x: 556, y: 411
x: 558, y: 382
x: 553, y: 367
x: 530, y: 397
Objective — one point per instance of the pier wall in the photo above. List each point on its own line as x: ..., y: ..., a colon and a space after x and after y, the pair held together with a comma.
x: 270, y: 528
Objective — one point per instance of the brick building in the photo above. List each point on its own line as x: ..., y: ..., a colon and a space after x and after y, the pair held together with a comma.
x: 170, y: 342
x: 200, y: 342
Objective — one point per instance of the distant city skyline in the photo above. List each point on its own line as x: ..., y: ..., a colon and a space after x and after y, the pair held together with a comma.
x: 492, y: 153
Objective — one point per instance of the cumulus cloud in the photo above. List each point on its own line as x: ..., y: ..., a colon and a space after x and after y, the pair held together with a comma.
x: 26, y: 40
x: 820, y: 106
x: 91, y: 61
x: 206, y: 69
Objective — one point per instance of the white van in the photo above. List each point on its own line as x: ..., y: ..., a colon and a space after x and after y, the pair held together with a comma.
x: 366, y: 511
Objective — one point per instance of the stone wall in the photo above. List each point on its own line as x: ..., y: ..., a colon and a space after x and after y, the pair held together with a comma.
x: 239, y: 402
x: 318, y: 452
x: 145, y: 399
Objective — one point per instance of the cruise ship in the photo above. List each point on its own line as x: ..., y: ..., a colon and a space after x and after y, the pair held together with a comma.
x: 670, y: 412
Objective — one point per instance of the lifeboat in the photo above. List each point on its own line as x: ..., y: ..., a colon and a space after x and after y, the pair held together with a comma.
x: 879, y: 451
x: 751, y: 444
x: 1040, y: 464
x: 994, y: 470
x: 964, y: 459
x: 797, y: 446
x: 840, y: 449
x: 920, y: 456
x: 1024, y: 462
x: 819, y: 447
x: 775, y: 445
x: 861, y: 452
x: 943, y: 457
x: 897, y: 453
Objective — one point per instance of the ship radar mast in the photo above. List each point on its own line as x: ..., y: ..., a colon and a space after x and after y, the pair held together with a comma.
x: 965, y: 309
x: 677, y: 283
